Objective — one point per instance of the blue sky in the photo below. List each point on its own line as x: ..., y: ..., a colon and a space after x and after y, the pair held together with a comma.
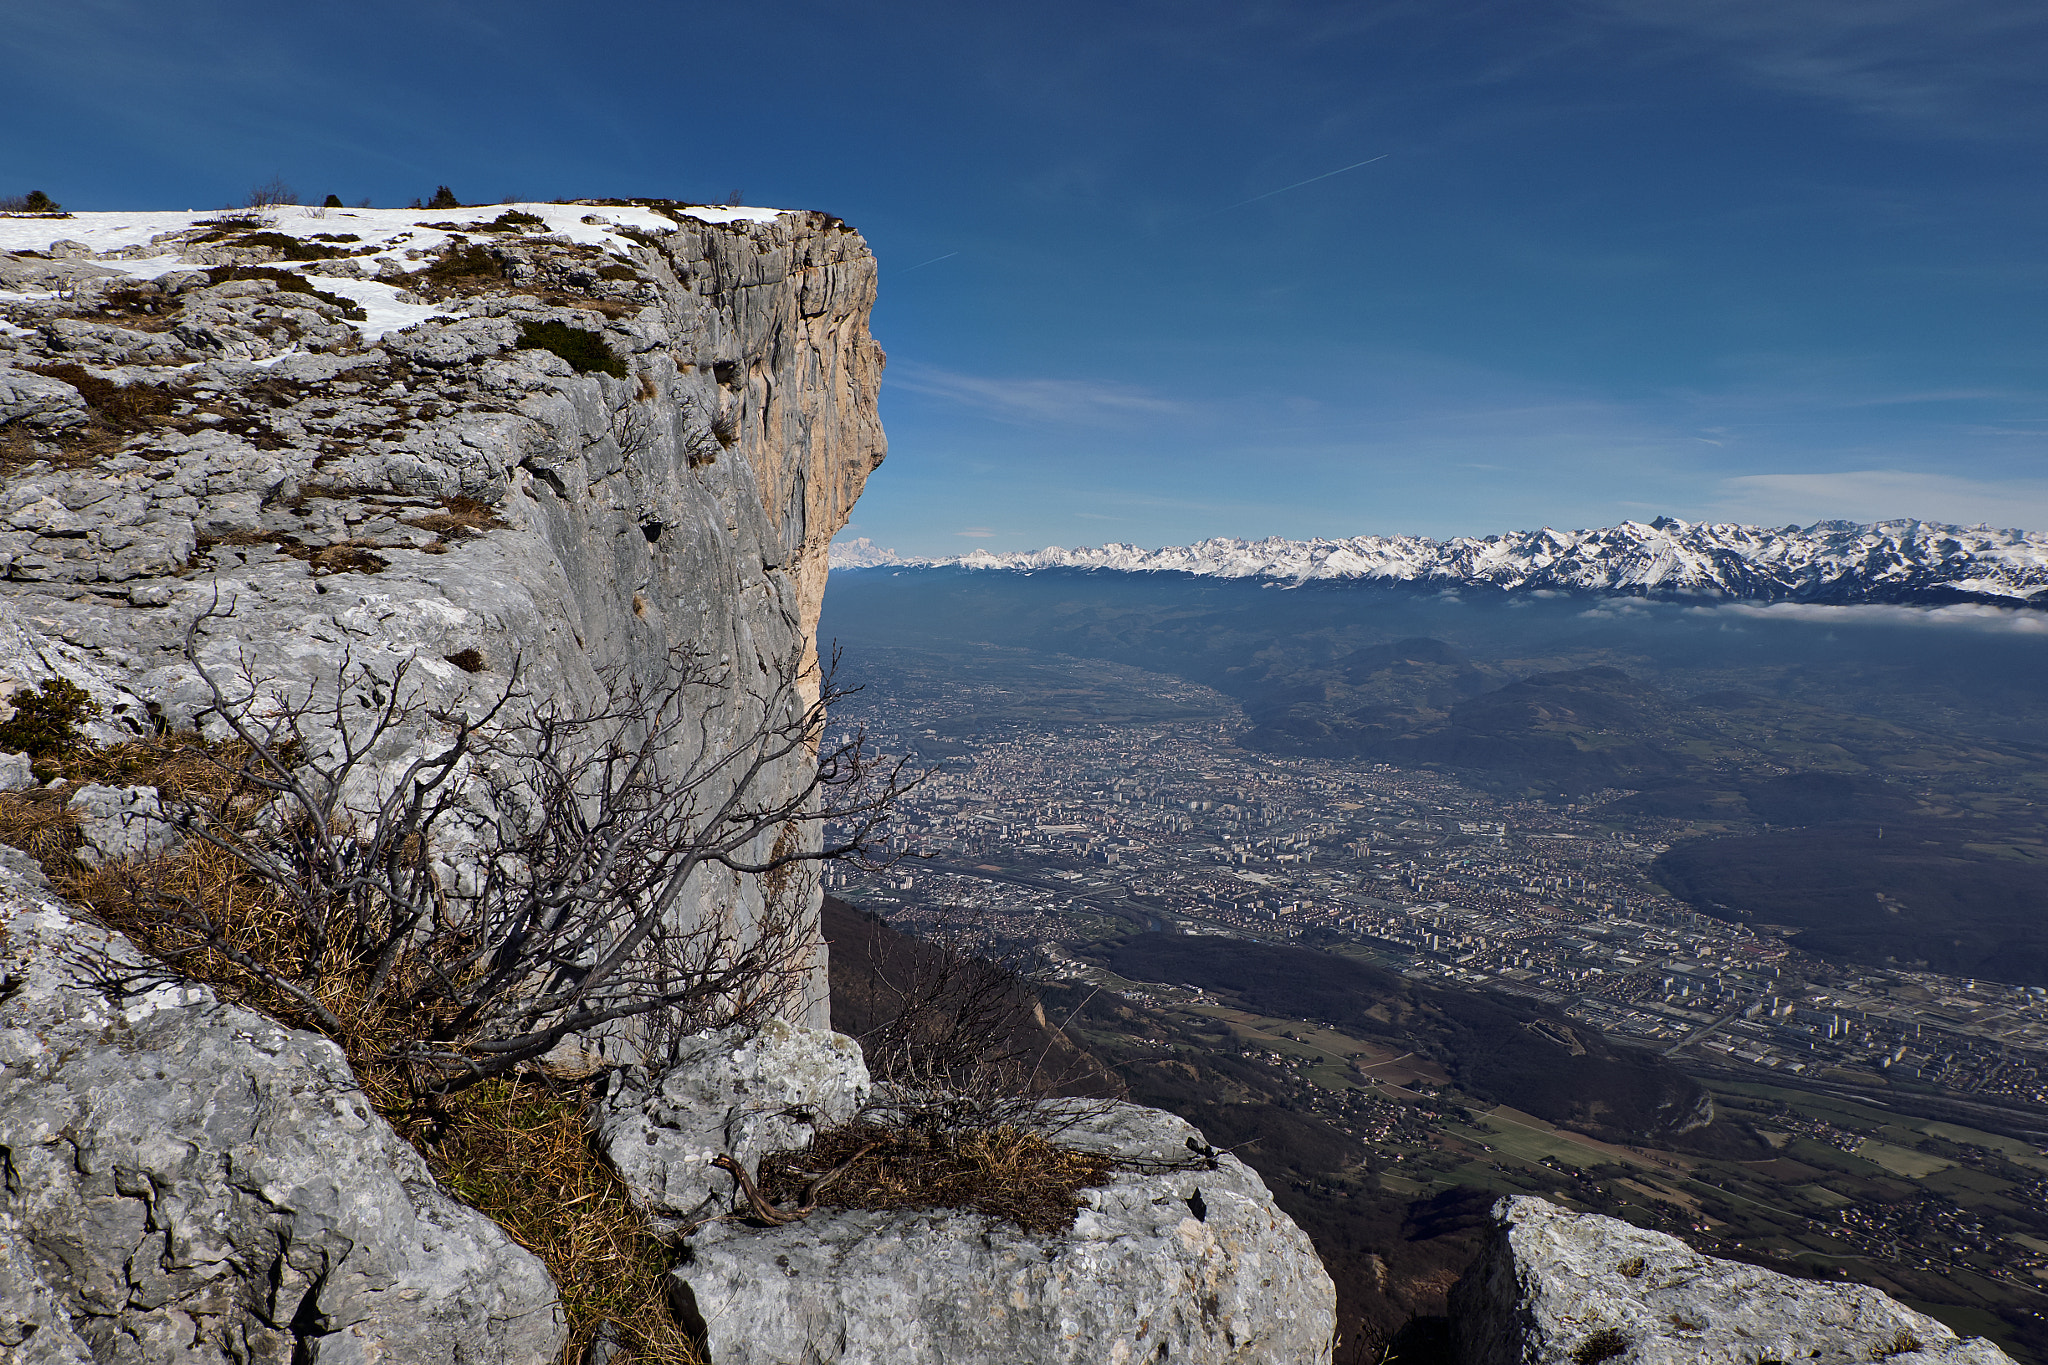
x: 1768, y: 260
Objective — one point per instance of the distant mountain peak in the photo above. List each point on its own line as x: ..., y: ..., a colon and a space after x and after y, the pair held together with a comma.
x: 1831, y: 561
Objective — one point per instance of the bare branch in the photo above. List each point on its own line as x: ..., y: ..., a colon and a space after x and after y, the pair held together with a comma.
x: 524, y: 880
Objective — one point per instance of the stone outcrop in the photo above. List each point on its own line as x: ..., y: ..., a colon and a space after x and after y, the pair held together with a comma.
x: 1553, y: 1287
x: 727, y: 1093
x: 362, y: 457
x: 187, y: 1181
x: 1179, y: 1255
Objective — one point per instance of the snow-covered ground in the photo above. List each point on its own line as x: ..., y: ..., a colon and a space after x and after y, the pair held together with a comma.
x: 386, y: 240
x: 1835, y: 560
x: 394, y: 229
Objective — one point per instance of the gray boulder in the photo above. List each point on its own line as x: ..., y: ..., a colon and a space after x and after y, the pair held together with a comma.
x: 192, y: 1183
x: 1184, y: 1257
x: 1554, y: 1287
x: 118, y: 823
x: 455, y: 342
x: 39, y: 402
x: 729, y: 1092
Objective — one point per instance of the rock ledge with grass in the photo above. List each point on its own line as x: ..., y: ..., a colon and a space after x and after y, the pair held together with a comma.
x: 1178, y: 1253
x: 1554, y: 1287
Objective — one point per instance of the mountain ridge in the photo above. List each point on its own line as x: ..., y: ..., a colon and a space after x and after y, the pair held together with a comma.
x: 1841, y: 562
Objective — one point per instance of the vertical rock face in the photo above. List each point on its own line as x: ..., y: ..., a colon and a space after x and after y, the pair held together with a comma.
x: 1559, y: 1288
x: 194, y: 416
x: 187, y: 1181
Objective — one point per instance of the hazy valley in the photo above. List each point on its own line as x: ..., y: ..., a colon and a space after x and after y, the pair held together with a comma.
x: 1723, y: 920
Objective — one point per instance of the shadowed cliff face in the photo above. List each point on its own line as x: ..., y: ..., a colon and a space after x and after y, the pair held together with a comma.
x: 609, y: 432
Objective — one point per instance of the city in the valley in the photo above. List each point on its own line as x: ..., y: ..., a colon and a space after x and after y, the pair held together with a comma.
x: 1899, y: 1116
x: 1035, y: 837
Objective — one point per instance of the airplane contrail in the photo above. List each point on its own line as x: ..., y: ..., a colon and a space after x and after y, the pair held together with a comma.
x: 1310, y: 181
x: 922, y: 264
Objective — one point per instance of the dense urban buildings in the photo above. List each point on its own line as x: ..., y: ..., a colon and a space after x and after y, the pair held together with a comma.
x: 1032, y: 837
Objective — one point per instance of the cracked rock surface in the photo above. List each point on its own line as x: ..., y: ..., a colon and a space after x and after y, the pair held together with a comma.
x: 187, y: 1181
x: 1185, y: 1259
x: 1554, y: 1287
x: 730, y: 1093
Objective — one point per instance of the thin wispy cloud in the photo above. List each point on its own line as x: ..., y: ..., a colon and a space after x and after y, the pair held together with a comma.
x: 1242, y: 203
x: 1077, y: 402
x: 1971, y: 69
x: 1977, y: 617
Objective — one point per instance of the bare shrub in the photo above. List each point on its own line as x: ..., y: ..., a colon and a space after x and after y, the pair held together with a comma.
x: 444, y: 948
x: 272, y: 193
x: 957, y: 1041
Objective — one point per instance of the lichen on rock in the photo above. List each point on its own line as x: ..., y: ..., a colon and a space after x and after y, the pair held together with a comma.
x: 1553, y: 1287
x: 190, y: 1181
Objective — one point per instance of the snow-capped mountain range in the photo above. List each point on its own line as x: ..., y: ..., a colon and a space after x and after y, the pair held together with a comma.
x: 1830, y: 561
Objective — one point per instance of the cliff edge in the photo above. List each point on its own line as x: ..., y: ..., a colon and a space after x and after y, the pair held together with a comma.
x: 575, y: 438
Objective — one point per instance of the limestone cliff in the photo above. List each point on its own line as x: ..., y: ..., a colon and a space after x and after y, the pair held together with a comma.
x: 574, y: 437
x: 360, y: 430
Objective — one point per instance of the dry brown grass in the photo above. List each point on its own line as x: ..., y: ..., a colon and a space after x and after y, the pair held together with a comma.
x: 119, y: 411
x: 128, y: 897
x: 460, y: 519
x: 462, y: 269
x: 79, y: 448
x: 519, y: 1153
x: 122, y: 408
x: 515, y: 1150
x: 1006, y: 1172
x: 352, y: 556
x: 349, y: 558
